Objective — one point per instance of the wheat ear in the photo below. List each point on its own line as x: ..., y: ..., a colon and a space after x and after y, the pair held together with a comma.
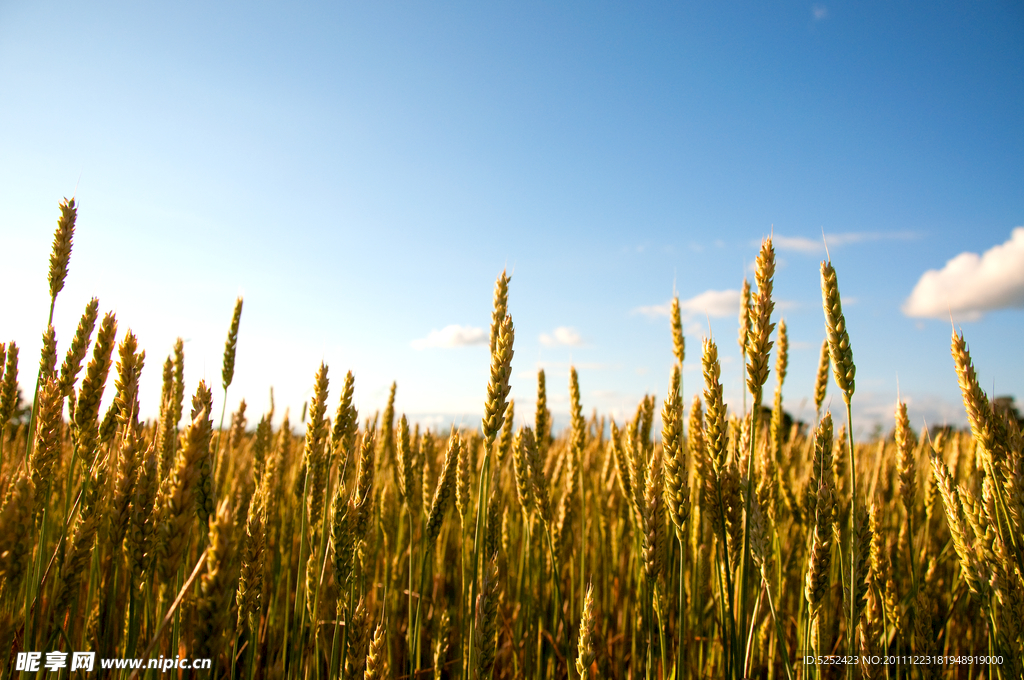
x: 678, y: 339
x: 984, y: 426
x: 404, y: 456
x: 227, y: 372
x: 821, y: 380
x: 586, y: 653
x: 87, y: 405
x: 542, y: 419
x: 844, y: 371
x: 486, y: 621
x: 346, y: 422
x: 314, y: 452
x: 177, y: 500
x: 60, y: 255
x: 79, y: 346
x: 443, y: 492
x: 677, y: 491
x: 376, y: 657
x: 47, y: 442
x: 16, y: 540
x: 9, y: 385
x: 250, y: 578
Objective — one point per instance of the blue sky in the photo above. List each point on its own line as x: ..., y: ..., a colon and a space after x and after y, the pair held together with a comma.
x: 361, y: 173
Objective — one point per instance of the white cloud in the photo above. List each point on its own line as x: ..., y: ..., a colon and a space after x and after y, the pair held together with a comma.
x: 878, y: 407
x: 452, y: 336
x: 716, y: 303
x: 971, y: 284
x: 812, y: 246
x: 820, y: 12
x: 606, y: 394
x: 561, y: 368
x: 654, y: 310
x: 563, y: 335
x: 694, y: 328
x: 799, y: 243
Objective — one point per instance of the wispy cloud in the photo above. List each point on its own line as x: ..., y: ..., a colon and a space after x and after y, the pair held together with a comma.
x: 563, y: 335
x: 654, y: 311
x: 452, y: 336
x: 812, y: 246
x: 971, y: 284
x: 716, y: 303
x: 924, y: 410
x: 798, y: 243
x: 561, y: 368
x: 819, y: 12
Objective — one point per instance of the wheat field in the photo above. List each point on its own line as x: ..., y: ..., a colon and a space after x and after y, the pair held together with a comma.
x: 727, y: 545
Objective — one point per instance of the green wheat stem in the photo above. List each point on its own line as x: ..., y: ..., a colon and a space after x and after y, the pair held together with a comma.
x: 413, y: 662
x: 250, y: 663
x: 176, y: 627
x: 299, y: 612
x: 851, y: 643
x: 779, y: 636
x: 425, y: 554
x: 649, y: 606
x: 556, y: 577
x: 220, y: 429
x: 661, y: 634
x: 234, y: 652
x: 322, y: 561
x: 729, y: 622
x: 481, y: 529
x: 910, y: 552
x: 583, y: 539
x: 528, y: 562
x: 745, y: 551
x: 32, y: 592
x: 348, y: 621
x: 748, y: 650
x: 681, y: 604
